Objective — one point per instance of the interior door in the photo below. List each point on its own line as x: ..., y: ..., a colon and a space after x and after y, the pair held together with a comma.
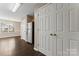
x: 47, y: 29
x: 54, y: 28
x: 58, y: 29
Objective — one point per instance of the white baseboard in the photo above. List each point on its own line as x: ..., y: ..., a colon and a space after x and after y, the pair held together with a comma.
x: 35, y: 49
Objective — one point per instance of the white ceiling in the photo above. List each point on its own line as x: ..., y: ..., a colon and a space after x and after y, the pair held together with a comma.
x: 23, y: 10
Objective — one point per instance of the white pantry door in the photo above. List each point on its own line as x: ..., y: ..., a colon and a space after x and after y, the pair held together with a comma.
x: 58, y: 29
x: 54, y: 25
x: 47, y: 29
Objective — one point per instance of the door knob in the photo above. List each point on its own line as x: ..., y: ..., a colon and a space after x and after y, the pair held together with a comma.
x: 55, y: 35
x: 51, y: 34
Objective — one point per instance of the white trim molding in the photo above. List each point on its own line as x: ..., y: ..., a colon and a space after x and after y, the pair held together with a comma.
x: 35, y: 49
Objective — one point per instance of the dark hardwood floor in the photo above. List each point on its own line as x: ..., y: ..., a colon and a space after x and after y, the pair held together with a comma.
x: 14, y: 46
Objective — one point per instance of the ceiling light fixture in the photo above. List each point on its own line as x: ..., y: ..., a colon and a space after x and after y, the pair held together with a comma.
x: 17, y: 5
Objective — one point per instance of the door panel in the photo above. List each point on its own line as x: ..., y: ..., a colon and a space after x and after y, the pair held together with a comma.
x: 59, y: 22
x: 74, y: 44
x: 66, y: 21
x: 47, y: 22
x: 74, y: 30
x: 59, y: 29
x: 66, y: 47
x: 66, y: 30
x: 74, y: 47
x: 71, y: 44
x: 59, y: 44
x: 66, y: 43
x: 74, y: 19
x: 63, y: 27
x: 52, y: 29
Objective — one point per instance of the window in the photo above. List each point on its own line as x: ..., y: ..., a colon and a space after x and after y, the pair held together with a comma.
x: 11, y: 28
x: 4, y: 27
